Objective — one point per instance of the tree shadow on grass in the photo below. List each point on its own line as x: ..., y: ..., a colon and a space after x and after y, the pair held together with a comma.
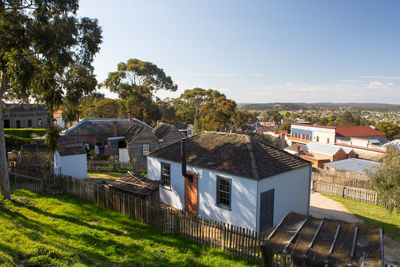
x: 136, y: 231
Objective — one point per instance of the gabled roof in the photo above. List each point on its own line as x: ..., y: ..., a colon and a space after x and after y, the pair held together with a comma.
x: 353, y: 165
x: 104, y: 126
x: 133, y: 132
x: 162, y: 129
x: 236, y: 154
x: 325, y: 149
x: 348, y: 131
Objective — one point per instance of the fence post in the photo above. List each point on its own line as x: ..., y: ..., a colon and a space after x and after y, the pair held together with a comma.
x: 223, y: 236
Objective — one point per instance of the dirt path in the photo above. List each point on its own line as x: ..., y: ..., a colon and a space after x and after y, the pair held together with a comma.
x: 323, y: 207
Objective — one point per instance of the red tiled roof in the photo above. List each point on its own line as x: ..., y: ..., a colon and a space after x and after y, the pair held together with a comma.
x: 357, y: 131
x: 57, y: 114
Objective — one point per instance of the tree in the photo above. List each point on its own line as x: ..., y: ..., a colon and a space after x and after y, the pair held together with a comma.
x: 217, y: 115
x: 44, y: 50
x: 108, y: 108
x: 391, y: 130
x: 191, y: 100
x: 286, y: 126
x: 136, y: 82
x: 385, y: 179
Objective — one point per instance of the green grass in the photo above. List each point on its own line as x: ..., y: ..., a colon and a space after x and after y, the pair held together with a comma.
x: 43, y: 230
x: 104, y: 176
x: 373, y: 215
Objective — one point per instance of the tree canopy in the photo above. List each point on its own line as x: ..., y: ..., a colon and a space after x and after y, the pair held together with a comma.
x: 46, y: 52
x: 385, y: 179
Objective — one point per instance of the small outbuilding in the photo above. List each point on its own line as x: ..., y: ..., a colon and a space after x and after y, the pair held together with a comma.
x: 139, y: 186
x: 301, y: 240
x: 71, y: 158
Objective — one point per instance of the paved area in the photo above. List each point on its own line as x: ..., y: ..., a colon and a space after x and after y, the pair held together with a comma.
x: 323, y: 207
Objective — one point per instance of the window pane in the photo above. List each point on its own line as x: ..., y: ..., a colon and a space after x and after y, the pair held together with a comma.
x: 224, y: 191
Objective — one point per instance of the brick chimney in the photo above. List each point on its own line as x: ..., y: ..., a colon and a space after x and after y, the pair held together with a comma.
x: 115, y: 128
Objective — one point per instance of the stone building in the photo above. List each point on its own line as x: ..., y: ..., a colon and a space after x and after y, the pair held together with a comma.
x: 25, y: 116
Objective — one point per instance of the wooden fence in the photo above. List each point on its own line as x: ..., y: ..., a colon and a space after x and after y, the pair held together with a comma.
x: 233, y: 239
x: 359, y: 194
x: 110, y: 165
x: 359, y: 181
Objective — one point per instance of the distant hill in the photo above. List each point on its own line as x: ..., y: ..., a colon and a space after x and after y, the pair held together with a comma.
x: 319, y: 106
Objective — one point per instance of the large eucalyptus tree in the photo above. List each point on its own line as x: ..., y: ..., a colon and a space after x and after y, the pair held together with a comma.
x: 46, y: 52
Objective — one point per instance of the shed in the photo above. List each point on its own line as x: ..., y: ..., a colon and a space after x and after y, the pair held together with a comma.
x: 358, y: 166
x: 71, y: 161
x: 301, y: 240
x: 139, y: 186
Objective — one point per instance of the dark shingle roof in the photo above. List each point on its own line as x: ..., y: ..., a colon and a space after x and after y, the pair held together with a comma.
x: 104, y: 126
x: 69, y: 151
x: 236, y: 154
x: 134, y: 131
x: 162, y: 130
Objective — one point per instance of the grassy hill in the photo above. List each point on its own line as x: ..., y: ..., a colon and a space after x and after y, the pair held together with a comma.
x: 43, y: 230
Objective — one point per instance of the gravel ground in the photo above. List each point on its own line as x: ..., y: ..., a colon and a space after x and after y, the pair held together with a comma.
x: 323, y: 207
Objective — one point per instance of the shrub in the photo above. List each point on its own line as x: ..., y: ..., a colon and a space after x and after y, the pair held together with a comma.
x: 25, y: 133
x: 101, y: 156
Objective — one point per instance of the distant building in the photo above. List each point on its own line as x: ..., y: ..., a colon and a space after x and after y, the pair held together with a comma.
x: 350, y: 168
x: 263, y: 126
x: 25, y: 116
x: 365, y: 140
x: 167, y: 134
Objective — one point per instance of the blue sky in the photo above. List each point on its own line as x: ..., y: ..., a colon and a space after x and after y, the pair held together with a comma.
x: 259, y: 51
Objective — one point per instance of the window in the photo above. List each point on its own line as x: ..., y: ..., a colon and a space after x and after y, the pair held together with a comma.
x: 145, y: 149
x: 166, y: 174
x: 317, y: 138
x: 29, y: 123
x: 327, y: 140
x: 224, y: 192
x: 39, y: 122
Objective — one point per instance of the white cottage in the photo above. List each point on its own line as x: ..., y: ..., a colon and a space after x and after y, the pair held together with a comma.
x: 232, y: 178
x: 71, y: 161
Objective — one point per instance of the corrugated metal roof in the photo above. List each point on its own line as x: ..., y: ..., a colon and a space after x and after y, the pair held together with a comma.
x: 322, y: 148
x: 353, y: 165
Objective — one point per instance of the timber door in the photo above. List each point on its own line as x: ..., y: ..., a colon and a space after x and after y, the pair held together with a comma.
x: 267, y: 210
x: 191, y: 194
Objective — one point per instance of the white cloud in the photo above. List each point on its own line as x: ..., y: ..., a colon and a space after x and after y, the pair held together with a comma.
x: 380, y: 77
x: 361, y: 91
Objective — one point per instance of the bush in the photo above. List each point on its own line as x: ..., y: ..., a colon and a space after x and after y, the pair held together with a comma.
x: 15, y: 142
x: 25, y: 133
x: 101, y: 156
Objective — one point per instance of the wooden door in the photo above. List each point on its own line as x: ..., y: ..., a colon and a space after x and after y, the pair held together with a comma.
x: 267, y: 210
x: 191, y: 194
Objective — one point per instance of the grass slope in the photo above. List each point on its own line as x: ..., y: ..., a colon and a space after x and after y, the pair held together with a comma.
x: 373, y: 215
x: 43, y: 230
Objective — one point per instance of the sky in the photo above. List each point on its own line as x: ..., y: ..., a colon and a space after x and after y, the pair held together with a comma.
x: 259, y: 51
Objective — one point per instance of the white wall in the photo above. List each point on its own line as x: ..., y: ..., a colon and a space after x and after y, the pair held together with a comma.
x: 243, y: 195
x: 292, y: 192
x: 74, y: 165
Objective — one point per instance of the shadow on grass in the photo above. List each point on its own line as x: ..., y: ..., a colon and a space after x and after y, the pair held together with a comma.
x: 136, y: 252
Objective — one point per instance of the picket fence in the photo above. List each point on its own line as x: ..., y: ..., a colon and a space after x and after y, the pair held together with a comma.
x: 110, y: 165
x: 358, y: 194
x: 233, y: 239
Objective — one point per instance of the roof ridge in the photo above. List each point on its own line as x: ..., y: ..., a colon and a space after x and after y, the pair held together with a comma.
x: 252, y: 157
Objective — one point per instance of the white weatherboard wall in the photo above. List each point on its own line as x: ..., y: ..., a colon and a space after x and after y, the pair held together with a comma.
x: 292, y: 192
x: 73, y: 165
x: 243, y: 196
